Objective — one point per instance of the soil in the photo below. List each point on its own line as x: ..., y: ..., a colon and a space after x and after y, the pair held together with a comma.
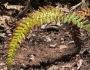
x: 60, y: 48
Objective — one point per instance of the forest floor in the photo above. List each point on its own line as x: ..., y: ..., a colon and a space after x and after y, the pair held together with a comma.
x: 49, y: 49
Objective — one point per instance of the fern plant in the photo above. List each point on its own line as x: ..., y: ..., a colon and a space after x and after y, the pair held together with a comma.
x: 38, y: 18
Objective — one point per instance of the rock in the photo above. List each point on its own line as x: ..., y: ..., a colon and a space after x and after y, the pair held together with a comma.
x: 52, y: 46
x: 32, y: 57
x: 2, y: 64
x: 48, y: 39
x: 63, y: 46
x: 62, y: 39
x: 67, y: 33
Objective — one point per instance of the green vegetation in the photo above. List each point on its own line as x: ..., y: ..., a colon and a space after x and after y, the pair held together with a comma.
x: 39, y: 18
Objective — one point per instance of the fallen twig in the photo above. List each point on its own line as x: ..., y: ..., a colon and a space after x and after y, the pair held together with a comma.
x: 74, y: 7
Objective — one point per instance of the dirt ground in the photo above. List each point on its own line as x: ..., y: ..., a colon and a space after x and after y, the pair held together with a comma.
x: 59, y: 48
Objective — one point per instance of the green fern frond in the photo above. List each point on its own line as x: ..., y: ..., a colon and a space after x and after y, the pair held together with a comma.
x: 38, y: 18
x: 87, y: 27
x: 35, y: 18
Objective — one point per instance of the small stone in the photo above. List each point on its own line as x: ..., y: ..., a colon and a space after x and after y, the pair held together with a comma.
x: 63, y: 46
x: 1, y: 64
x: 67, y: 33
x: 62, y: 39
x: 32, y: 57
x: 10, y: 34
x: 59, y: 24
x: 48, y: 39
x: 52, y: 46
